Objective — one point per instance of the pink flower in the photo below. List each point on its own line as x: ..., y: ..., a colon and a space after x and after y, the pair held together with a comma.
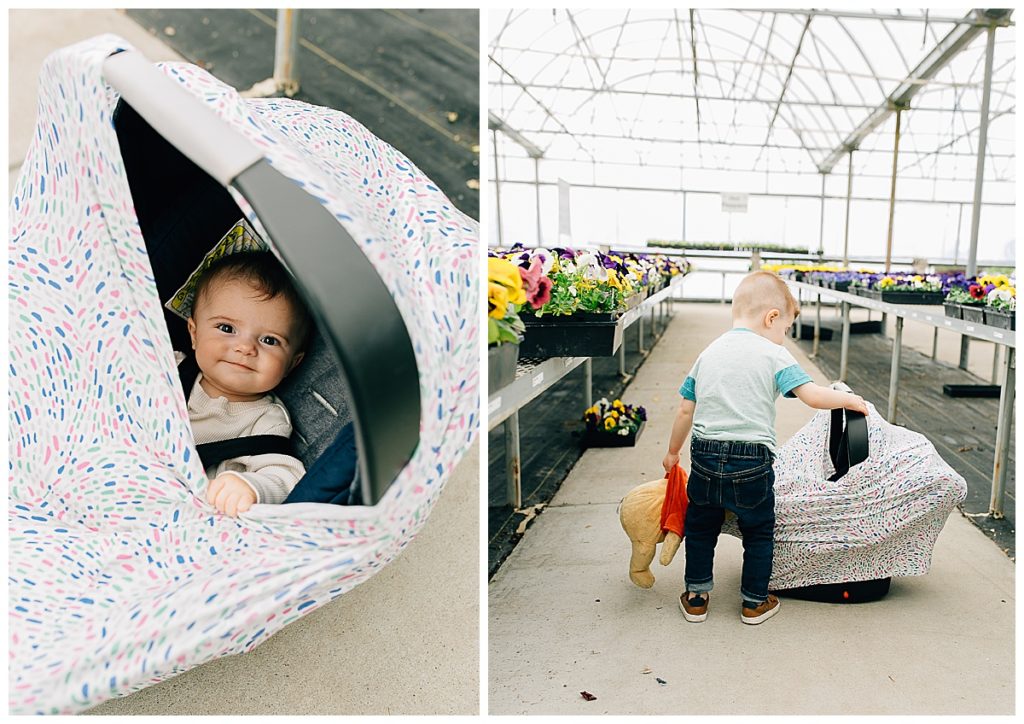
x: 537, y: 286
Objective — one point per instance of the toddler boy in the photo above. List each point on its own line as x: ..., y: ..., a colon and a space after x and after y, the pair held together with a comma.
x: 729, y: 402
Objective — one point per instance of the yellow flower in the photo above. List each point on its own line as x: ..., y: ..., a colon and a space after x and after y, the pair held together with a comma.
x: 609, y: 423
x: 505, y: 273
x: 497, y: 299
x: 618, y: 405
x: 886, y: 282
x: 613, y: 279
x: 614, y: 414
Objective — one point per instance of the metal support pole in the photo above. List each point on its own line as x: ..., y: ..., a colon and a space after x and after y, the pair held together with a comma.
x: 497, y: 190
x: 844, y: 349
x: 799, y: 303
x: 935, y: 343
x: 846, y: 229
x: 286, y: 46
x: 684, y: 216
x: 723, y: 287
x: 622, y: 364
x: 1005, y: 422
x: 979, y: 173
x: 588, y: 383
x: 894, y: 373
x: 640, y: 336
x: 817, y: 328
x: 821, y: 225
x: 536, y: 186
x: 892, y: 193
x: 514, y: 487
x: 995, y: 363
x: 965, y: 349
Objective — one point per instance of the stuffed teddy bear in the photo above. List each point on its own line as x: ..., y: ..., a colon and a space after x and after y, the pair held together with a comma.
x: 640, y: 514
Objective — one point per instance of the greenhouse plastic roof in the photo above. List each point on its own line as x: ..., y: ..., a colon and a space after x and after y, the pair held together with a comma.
x: 755, y: 89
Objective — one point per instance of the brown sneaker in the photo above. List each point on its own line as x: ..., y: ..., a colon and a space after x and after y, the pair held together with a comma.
x: 694, y: 606
x: 760, y: 613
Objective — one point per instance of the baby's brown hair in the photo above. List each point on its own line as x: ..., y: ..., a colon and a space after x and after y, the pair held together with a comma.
x: 760, y: 291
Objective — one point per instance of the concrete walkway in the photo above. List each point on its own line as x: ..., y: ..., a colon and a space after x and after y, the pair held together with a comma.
x: 564, y: 617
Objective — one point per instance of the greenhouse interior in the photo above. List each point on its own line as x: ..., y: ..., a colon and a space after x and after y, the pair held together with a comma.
x: 643, y: 162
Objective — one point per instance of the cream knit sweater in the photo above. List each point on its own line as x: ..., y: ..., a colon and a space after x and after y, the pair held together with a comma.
x: 271, y: 476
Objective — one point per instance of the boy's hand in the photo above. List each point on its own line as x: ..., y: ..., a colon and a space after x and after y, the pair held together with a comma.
x: 670, y: 461
x: 230, y: 494
x: 856, y: 403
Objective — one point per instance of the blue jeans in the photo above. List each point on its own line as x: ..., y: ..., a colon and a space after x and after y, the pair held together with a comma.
x: 736, y: 476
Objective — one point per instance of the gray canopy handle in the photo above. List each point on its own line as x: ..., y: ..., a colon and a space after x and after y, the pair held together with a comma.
x: 351, y: 304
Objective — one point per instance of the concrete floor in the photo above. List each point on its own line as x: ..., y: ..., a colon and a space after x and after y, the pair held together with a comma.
x: 380, y: 648
x: 564, y: 617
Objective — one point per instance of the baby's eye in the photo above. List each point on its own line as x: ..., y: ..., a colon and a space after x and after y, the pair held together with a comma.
x: 270, y: 341
x: 226, y: 328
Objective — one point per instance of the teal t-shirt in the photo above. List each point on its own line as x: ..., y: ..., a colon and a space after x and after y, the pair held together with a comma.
x: 735, y: 382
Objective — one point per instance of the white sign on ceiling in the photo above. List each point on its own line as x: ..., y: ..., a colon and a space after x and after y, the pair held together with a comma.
x: 734, y: 203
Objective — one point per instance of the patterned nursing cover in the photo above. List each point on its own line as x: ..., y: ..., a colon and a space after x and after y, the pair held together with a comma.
x: 881, y: 519
x: 120, y: 574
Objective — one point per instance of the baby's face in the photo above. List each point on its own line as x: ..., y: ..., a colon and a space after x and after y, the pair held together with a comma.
x: 244, y: 345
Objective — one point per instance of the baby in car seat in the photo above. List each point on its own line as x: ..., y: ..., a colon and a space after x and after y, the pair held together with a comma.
x: 248, y: 326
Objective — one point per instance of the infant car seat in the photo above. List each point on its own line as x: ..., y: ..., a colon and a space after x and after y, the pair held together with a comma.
x: 849, y: 516
x: 120, y: 574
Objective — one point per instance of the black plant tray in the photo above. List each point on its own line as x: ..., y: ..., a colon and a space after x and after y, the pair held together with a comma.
x: 973, y: 313
x: 532, y: 320
x: 501, y: 366
x: 840, y: 286
x: 971, y: 390
x: 807, y: 332
x: 572, y: 336
x: 600, y: 438
x: 1000, y: 318
x: 904, y: 297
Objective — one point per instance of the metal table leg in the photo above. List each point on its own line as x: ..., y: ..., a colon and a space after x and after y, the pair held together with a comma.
x: 640, y: 336
x: 844, y: 350
x: 1005, y: 422
x: 799, y: 325
x: 935, y: 343
x: 995, y: 363
x: 817, y: 328
x: 588, y: 381
x: 965, y: 349
x: 622, y: 364
x: 514, y: 490
x: 894, y: 373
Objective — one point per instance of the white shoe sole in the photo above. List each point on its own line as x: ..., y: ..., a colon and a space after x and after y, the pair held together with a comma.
x: 693, y: 617
x: 753, y: 620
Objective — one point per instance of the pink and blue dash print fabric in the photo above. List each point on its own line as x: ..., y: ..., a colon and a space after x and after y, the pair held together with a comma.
x: 120, y: 575
x: 881, y: 519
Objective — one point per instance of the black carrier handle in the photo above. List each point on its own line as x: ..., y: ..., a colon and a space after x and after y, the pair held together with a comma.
x: 353, y: 308
x: 847, y: 444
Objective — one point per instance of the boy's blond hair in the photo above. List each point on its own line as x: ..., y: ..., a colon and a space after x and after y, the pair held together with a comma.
x: 760, y: 291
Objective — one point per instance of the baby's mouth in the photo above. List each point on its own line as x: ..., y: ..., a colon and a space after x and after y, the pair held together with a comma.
x: 239, y: 364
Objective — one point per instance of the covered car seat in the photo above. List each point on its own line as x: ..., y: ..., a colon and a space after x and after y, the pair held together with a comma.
x: 120, y: 574
x: 880, y: 519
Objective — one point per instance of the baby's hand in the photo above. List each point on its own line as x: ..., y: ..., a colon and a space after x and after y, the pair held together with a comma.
x: 230, y: 494
x: 856, y: 403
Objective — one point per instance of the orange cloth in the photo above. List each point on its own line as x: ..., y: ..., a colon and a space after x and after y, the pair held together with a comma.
x: 673, y: 510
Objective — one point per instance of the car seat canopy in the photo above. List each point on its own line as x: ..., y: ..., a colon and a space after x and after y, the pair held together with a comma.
x: 120, y: 574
